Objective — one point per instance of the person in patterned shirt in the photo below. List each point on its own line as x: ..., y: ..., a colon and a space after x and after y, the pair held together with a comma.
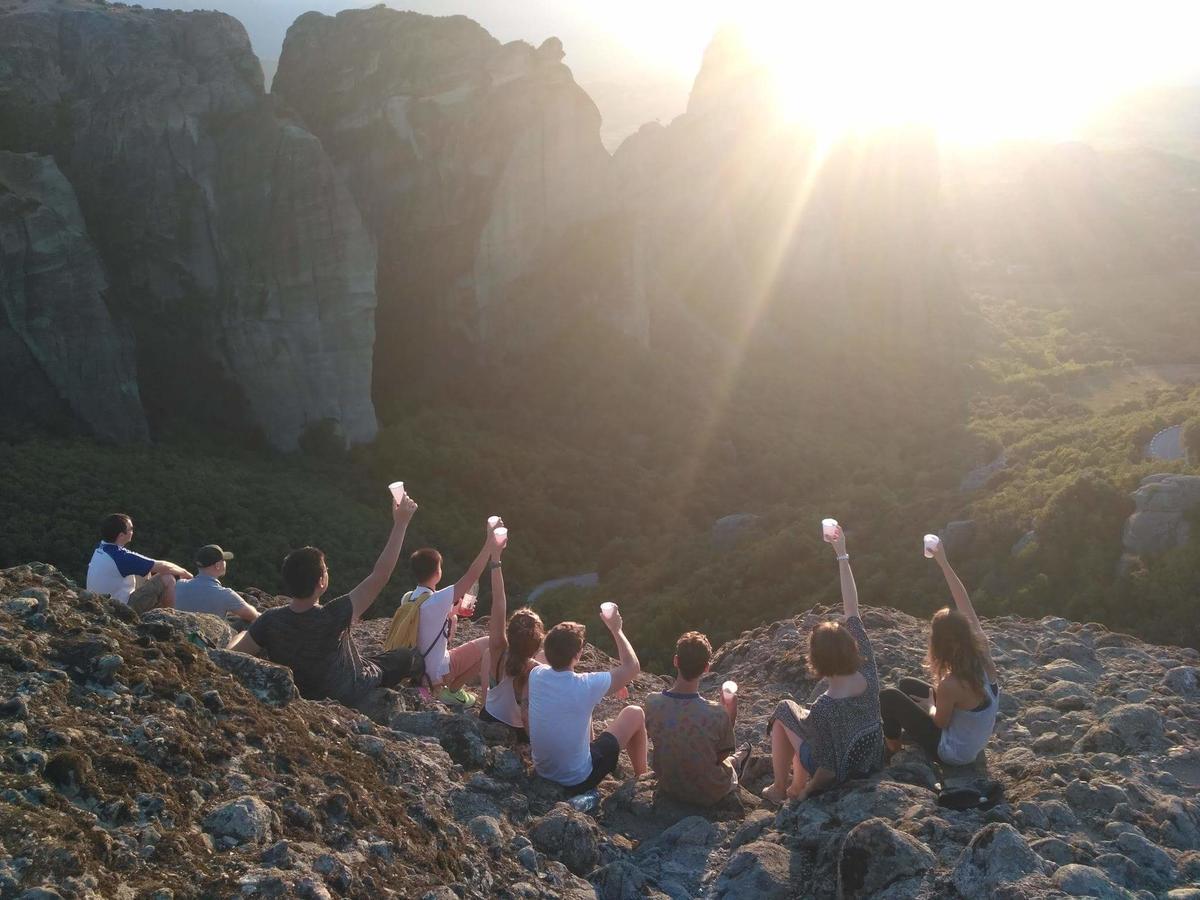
x: 692, y: 737
x: 841, y: 736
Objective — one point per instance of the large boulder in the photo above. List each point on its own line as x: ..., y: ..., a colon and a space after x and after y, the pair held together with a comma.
x: 212, y: 629
x: 272, y: 684
x: 1128, y: 728
x: 568, y: 836
x: 1159, y: 521
x: 874, y: 855
x: 759, y: 869
x: 246, y: 820
x: 997, y: 855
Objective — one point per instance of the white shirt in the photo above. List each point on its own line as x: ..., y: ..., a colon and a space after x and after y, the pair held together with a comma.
x: 431, y: 630
x: 560, y: 721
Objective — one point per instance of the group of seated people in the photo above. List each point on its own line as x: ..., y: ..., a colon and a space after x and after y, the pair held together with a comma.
x: 529, y: 682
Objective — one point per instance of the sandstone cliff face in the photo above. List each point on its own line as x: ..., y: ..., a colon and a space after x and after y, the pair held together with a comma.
x: 478, y: 167
x: 233, y: 251
x: 55, y: 329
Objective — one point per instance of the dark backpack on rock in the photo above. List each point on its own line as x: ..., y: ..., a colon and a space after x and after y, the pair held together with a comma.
x: 975, y: 796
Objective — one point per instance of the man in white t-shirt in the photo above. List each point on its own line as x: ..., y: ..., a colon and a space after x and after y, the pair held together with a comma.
x: 561, y: 701
x: 446, y: 667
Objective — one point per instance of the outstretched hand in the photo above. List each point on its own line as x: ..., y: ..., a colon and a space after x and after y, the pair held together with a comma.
x: 839, y: 541
x: 939, y: 553
x: 497, y: 542
x: 403, y: 509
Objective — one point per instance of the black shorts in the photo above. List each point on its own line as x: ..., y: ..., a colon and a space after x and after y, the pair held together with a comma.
x: 520, y: 734
x: 606, y: 751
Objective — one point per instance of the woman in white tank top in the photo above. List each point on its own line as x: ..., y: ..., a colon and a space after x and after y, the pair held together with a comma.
x: 513, y: 650
x: 952, y: 718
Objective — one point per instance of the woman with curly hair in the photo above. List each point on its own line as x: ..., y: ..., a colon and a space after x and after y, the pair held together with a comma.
x: 952, y: 718
x: 514, y: 649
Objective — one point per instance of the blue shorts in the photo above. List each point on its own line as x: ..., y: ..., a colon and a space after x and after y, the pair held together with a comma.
x: 806, y: 758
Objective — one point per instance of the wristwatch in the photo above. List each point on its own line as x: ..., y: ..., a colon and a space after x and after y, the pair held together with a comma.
x: 493, y: 564
x: 844, y: 557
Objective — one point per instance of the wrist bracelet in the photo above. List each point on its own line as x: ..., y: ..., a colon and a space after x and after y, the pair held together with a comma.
x: 493, y: 564
x: 844, y: 557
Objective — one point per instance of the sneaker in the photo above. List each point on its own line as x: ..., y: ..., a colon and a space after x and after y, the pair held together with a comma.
x: 461, y: 697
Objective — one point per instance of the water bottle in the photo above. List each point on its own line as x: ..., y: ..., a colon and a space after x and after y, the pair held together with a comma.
x: 585, y: 803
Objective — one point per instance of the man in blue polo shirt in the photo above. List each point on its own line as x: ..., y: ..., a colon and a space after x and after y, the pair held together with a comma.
x: 115, y: 570
x: 206, y: 594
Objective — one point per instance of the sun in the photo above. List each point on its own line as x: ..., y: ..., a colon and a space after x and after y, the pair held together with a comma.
x: 974, y: 71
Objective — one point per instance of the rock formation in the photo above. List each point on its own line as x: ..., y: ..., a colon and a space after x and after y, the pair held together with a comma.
x: 747, y: 222
x: 478, y: 167
x: 135, y: 764
x: 1159, y: 522
x: 60, y: 345
x: 232, y: 251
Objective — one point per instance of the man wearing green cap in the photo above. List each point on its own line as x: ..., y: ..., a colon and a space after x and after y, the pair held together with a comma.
x: 206, y: 594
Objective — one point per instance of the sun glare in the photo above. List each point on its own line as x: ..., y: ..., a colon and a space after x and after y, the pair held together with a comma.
x: 974, y: 71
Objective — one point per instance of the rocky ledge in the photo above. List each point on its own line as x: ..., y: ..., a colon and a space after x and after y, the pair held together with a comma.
x: 140, y: 763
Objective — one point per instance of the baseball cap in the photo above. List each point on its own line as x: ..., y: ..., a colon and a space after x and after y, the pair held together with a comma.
x: 211, y: 554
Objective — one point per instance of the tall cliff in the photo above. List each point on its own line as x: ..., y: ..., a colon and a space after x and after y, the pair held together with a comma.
x: 478, y: 167
x: 60, y: 347
x: 232, y: 251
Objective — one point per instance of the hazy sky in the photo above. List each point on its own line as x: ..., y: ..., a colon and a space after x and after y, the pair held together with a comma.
x: 974, y: 68
x: 1153, y: 39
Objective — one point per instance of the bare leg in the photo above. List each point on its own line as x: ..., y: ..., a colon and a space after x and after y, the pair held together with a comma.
x: 465, y: 662
x: 629, y: 728
x: 168, y: 597
x: 783, y: 755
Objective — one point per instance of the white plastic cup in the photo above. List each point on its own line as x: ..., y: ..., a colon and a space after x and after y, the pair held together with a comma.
x: 468, y: 602
x: 729, y: 688
x: 493, y: 521
x: 829, y: 529
x: 931, y: 544
x: 501, y: 536
x: 397, y: 489
x: 607, y: 610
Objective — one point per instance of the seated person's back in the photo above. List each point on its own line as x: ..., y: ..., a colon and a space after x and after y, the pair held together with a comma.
x: 319, y: 649
x: 314, y: 640
x: 692, y: 738
x: 560, y: 721
x: 205, y: 594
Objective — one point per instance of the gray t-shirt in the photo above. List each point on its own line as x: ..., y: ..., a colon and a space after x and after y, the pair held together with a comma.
x: 319, y: 649
x: 205, y: 594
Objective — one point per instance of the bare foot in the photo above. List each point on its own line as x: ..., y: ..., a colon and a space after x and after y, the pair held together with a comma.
x: 795, y: 792
x: 773, y: 795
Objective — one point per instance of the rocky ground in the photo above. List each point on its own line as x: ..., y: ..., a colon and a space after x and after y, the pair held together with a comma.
x: 138, y: 763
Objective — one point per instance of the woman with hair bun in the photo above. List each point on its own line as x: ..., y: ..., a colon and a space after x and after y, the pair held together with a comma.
x: 952, y: 718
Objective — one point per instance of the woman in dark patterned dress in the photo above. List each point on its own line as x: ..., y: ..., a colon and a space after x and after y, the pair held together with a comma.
x: 840, y: 736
